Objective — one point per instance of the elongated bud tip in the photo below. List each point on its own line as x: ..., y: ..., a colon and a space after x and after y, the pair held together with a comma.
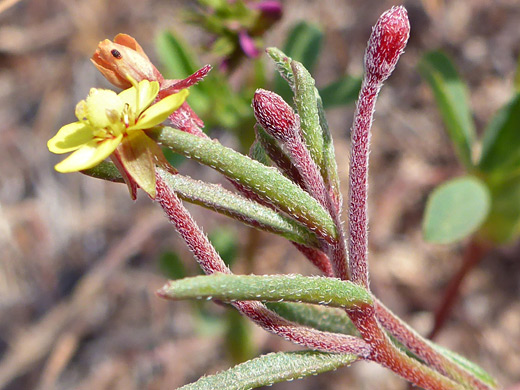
x: 275, y: 115
x: 387, y: 43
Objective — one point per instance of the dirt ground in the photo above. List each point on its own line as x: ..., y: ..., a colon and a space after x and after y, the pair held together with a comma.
x: 79, y: 259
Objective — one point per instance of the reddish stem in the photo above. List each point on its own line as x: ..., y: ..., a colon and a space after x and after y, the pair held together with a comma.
x: 473, y: 254
x: 316, y: 257
x: 358, y: 214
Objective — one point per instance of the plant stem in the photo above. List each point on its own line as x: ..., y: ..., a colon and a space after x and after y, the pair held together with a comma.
x: 358, y: 196
x: 473, y: 254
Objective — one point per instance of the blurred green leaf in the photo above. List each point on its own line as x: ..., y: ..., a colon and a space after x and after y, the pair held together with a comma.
x: 503, y: 224
x: 180, y: 62
x: 341, y: 92
x: 239, y: 337
x: 223, y: 46
x: 295, y: 288
x: 172, y: 266
x: 517, y: 76
x: 272, y: 368
x: 304, y: 45
x: 225, y: 242
x: 456, y: 209
x: 501, y: 143
x: 451, y: 95
x: 174, y: 54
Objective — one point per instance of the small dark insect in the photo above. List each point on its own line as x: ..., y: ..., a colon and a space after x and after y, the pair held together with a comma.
x: 116, y: 54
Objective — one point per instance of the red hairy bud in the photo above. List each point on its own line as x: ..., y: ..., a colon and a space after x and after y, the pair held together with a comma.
x: 275, y: 115
x: 387, y: 43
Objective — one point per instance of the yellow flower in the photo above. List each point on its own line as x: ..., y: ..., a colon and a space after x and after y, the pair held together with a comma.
x: 114, y: 125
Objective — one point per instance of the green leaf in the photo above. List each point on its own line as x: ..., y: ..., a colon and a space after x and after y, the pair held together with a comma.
x: 240, y: 343
x: 172, y: 266
x: 474, y: 369
x: 341, y: 92
x: 306, y: 103
x: 303, y: 44
x: 324, y: 318
x: 501, y: 143
x: 456, y: 209
x: 225, y: 241
x: 215, y: 197
x: 503, y: 223
x: 517, y: 76
x: 295, y: 288
x: 330, y: 174
x: 105, y: 170
x: 175, y: 56
x: 180, y: 63
x: 272, y: 368
x: 451, y: 96
x: 267, y: 182
x: 282, y: 63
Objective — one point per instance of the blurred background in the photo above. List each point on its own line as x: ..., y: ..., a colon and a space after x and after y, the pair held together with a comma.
x: 80, y: 261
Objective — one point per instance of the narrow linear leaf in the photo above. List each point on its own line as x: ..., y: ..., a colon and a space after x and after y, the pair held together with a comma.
x: 295, y: 288
x: 175, y: 55
x: 303, y: 44
x: 267, y: 182
x: 272, y: 368
x: 278, y: 156
x: 452, y: 99
x: 258, y: 153
x: 106, y: 171
x: 306, y: 103
x: 228, y: 203
x: 324, y: 318
x: 501, y: 143
x: 455, y: 210
x: 330, y: 174
x: 341, y: 92
x: 282, y: 63
x: 474, y: 369
x: 179, y: 62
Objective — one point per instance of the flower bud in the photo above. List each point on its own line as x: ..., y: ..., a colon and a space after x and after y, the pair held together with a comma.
x: 123, y: 60
x: 386, y: 44
x: 275, y: 115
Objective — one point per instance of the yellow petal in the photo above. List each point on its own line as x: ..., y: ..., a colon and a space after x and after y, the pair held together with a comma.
x: 161, y: 110
x: 70, y: 137
x: 146, y: 90
x: 88, y: 155
x: 136, y: 155
x: 100, y: 106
